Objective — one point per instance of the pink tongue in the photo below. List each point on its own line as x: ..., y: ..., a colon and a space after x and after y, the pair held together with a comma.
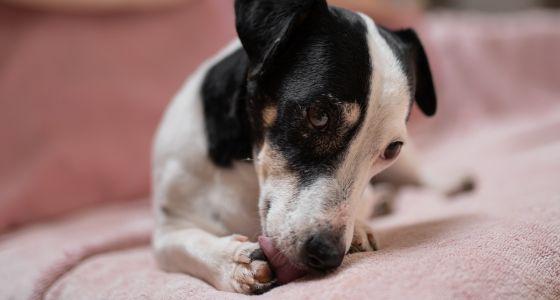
x: 285, y: 271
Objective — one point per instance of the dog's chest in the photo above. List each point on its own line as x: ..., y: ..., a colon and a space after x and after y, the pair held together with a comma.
x: 233, y: 199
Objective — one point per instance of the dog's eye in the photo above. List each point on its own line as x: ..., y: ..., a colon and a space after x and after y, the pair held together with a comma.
x: 392, y: 150
x: 317, y: 116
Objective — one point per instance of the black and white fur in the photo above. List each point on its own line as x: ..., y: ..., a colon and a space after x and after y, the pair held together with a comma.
x: 235, y: 155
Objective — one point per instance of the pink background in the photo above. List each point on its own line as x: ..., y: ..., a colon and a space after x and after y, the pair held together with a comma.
x: 81, y: 96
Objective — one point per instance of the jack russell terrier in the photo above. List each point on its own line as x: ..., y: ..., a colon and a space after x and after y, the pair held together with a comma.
x: 279, y: 135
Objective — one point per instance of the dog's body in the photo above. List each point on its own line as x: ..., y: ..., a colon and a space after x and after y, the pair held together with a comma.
x: 279, y: 135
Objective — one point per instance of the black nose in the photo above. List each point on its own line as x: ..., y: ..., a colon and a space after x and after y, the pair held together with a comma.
x: 323, y: 252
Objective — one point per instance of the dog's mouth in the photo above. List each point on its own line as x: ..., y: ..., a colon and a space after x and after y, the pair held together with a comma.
x: 285, y: 270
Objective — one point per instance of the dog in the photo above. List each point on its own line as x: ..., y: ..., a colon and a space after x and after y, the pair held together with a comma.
x: 280, y: 134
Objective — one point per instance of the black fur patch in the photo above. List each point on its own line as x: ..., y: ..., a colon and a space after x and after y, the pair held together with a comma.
x: 327, y: 63
x: 225, y: 110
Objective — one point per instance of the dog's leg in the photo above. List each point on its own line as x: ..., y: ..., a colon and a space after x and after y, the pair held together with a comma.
x: 230, y: 263
x: 406, y: 172
x: 363, y: 239
x: 194, y: 232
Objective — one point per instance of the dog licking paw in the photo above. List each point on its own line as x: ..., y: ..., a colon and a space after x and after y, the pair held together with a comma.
x: 290, y: 139
x: 250, y: 272
x: 363, y: 240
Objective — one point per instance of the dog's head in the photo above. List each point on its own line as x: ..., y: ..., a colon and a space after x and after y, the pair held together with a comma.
x: 329, y: 94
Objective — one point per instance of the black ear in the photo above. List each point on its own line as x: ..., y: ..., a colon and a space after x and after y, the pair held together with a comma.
x: 421, y: 76
x: 265, y: 26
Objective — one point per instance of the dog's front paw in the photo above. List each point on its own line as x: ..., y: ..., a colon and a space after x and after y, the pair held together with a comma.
x: 363, y: 240
x: 250, y: 273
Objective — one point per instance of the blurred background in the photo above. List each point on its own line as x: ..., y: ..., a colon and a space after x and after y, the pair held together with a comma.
x: 83, y: 83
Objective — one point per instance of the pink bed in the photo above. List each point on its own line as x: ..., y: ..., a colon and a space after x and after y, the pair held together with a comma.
x: 81, y: 96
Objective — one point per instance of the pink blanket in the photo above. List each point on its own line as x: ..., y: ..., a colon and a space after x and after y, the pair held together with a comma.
x: 80, y: 136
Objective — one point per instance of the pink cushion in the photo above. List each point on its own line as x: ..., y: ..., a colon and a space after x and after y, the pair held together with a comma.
x: 81, y: 97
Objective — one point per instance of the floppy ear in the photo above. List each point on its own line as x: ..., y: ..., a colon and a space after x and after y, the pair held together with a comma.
x: 421, y: 76
x: 265, y: 26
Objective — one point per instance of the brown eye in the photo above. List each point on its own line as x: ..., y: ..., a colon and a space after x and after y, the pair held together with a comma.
x: 317, y: 117
x: 392, y: 150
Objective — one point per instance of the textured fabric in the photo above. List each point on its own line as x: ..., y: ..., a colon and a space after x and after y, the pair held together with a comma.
x: 499, y: 119
x: 33, y: 258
